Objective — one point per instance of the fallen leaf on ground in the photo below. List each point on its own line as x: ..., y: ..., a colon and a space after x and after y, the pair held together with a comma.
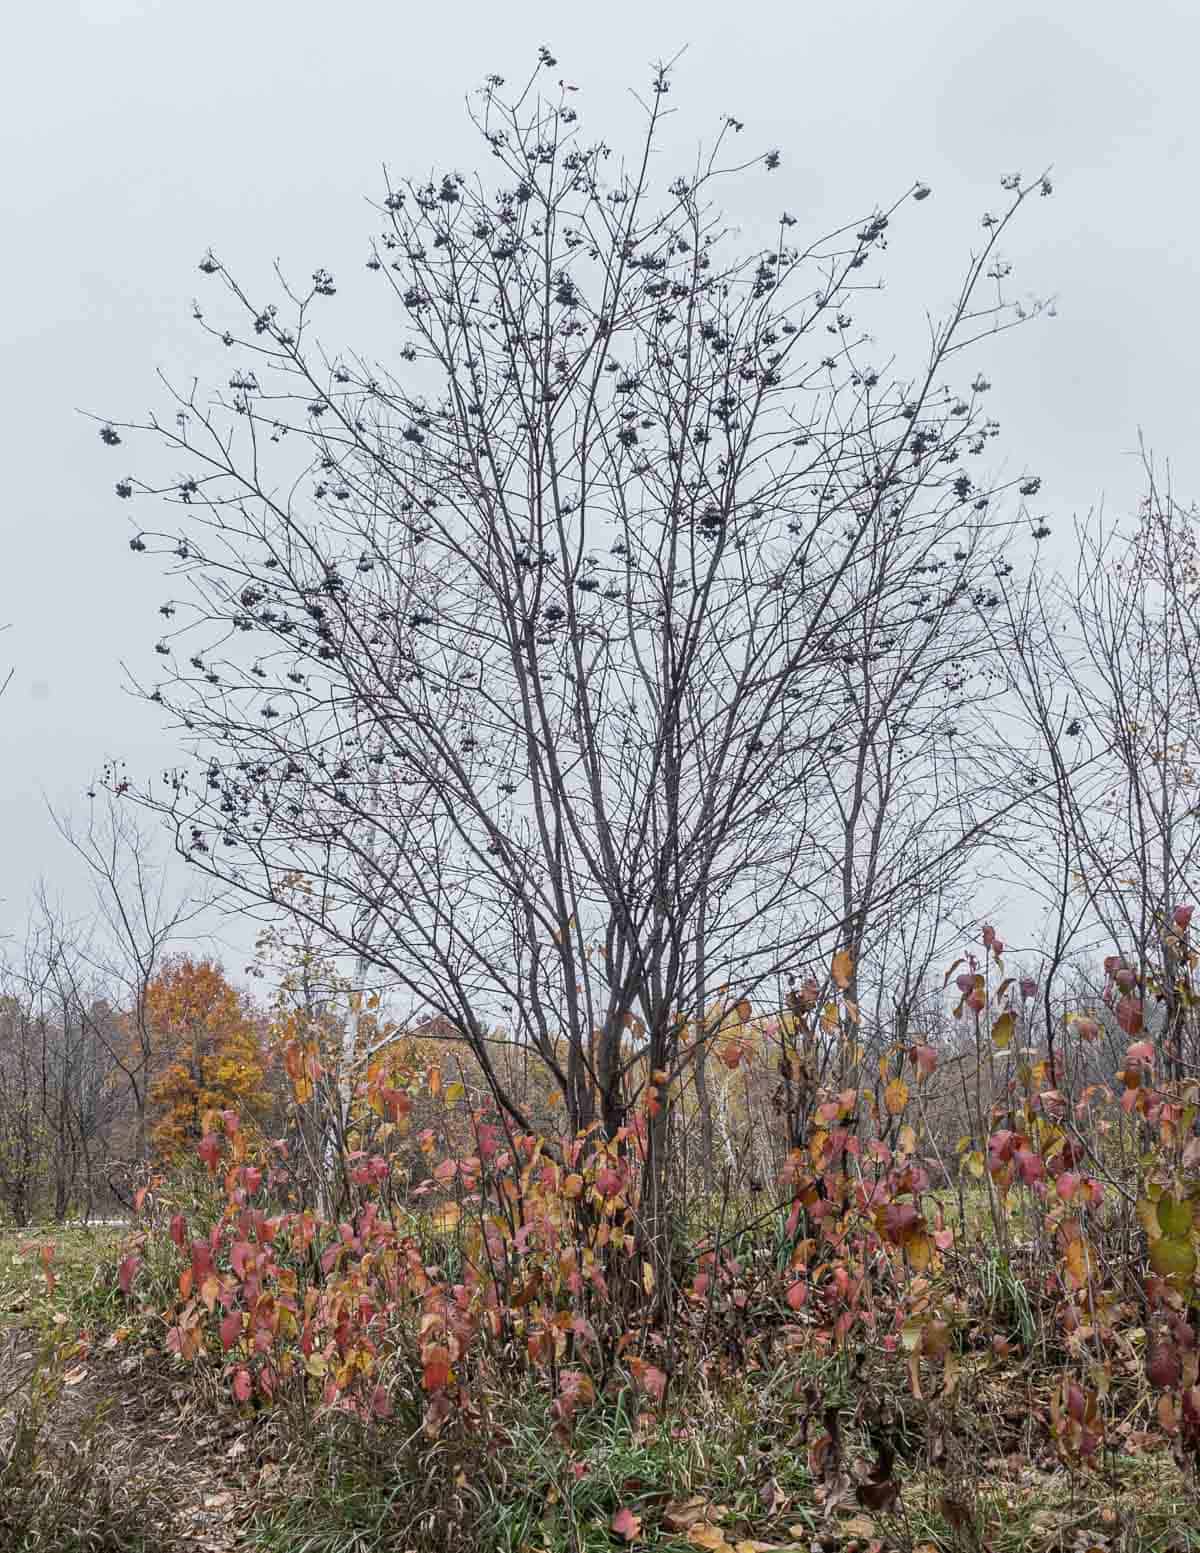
x: 682, y: 1513
x: 626, y: 1524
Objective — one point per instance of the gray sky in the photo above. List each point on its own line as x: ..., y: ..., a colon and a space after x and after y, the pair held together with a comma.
x: 138, y: 132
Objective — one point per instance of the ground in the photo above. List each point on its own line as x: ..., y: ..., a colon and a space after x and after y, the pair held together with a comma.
x: 108, y: 1443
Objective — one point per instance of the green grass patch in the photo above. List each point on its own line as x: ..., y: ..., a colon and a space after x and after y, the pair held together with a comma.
x: 81, y: 1289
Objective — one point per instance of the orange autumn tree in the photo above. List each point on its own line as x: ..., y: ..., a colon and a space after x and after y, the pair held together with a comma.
x: 206, y: 1032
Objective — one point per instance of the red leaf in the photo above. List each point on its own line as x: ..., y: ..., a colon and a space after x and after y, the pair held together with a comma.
x: 436, y: 1373
x: 900, y: 1219
x: 242, y: 1384
x: 46, y: 1255
x: 654, y: 1381
x: 608, y: 1183
x: 202, y: 1262
x: 127, y: 1272
x: 178, y: 1229
x: 626, y: 1524
x: 925, y: 1058
x: 1129, y: 1014
x: 231, y: 1329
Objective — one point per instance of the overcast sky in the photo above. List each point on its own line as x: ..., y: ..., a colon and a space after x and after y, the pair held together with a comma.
x: 138, y: 132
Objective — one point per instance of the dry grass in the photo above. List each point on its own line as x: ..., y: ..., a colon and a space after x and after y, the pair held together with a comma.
x: 107, y: 1444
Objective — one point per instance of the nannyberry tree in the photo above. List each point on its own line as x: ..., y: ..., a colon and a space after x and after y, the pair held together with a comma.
x: 610, y: 645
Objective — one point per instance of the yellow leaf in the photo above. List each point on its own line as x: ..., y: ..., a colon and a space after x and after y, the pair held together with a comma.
x: 1002, y: 1031
x: 445, y: 1219
x: 454, y: 1092
x: 682, y: 1513
x: 1147, y: 1213
x: 907, y: 1139
x: 1080, y: 1261
x: 843, y: 968
x: 895, y: 1096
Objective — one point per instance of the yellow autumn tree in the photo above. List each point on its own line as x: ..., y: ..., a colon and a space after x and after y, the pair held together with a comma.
x: 206, y: 1035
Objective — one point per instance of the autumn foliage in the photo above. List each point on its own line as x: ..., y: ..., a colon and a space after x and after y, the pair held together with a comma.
x: 211, y: 1051
x: 528, y: 1254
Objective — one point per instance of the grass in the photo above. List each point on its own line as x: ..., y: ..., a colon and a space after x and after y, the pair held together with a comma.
x: 66, y: 1485
x: 106, y: 1446
x: 619, y: 1465
x: 514, y: 1491
x: 1145, y: 1506
x: 84, y: 1292
x: 726, y: 1471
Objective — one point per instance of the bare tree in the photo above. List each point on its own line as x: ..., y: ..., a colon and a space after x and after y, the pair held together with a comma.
x: 1110, y: 670
x: 536, y: 653
x: 136, y: 923
x: 59, y: 1089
